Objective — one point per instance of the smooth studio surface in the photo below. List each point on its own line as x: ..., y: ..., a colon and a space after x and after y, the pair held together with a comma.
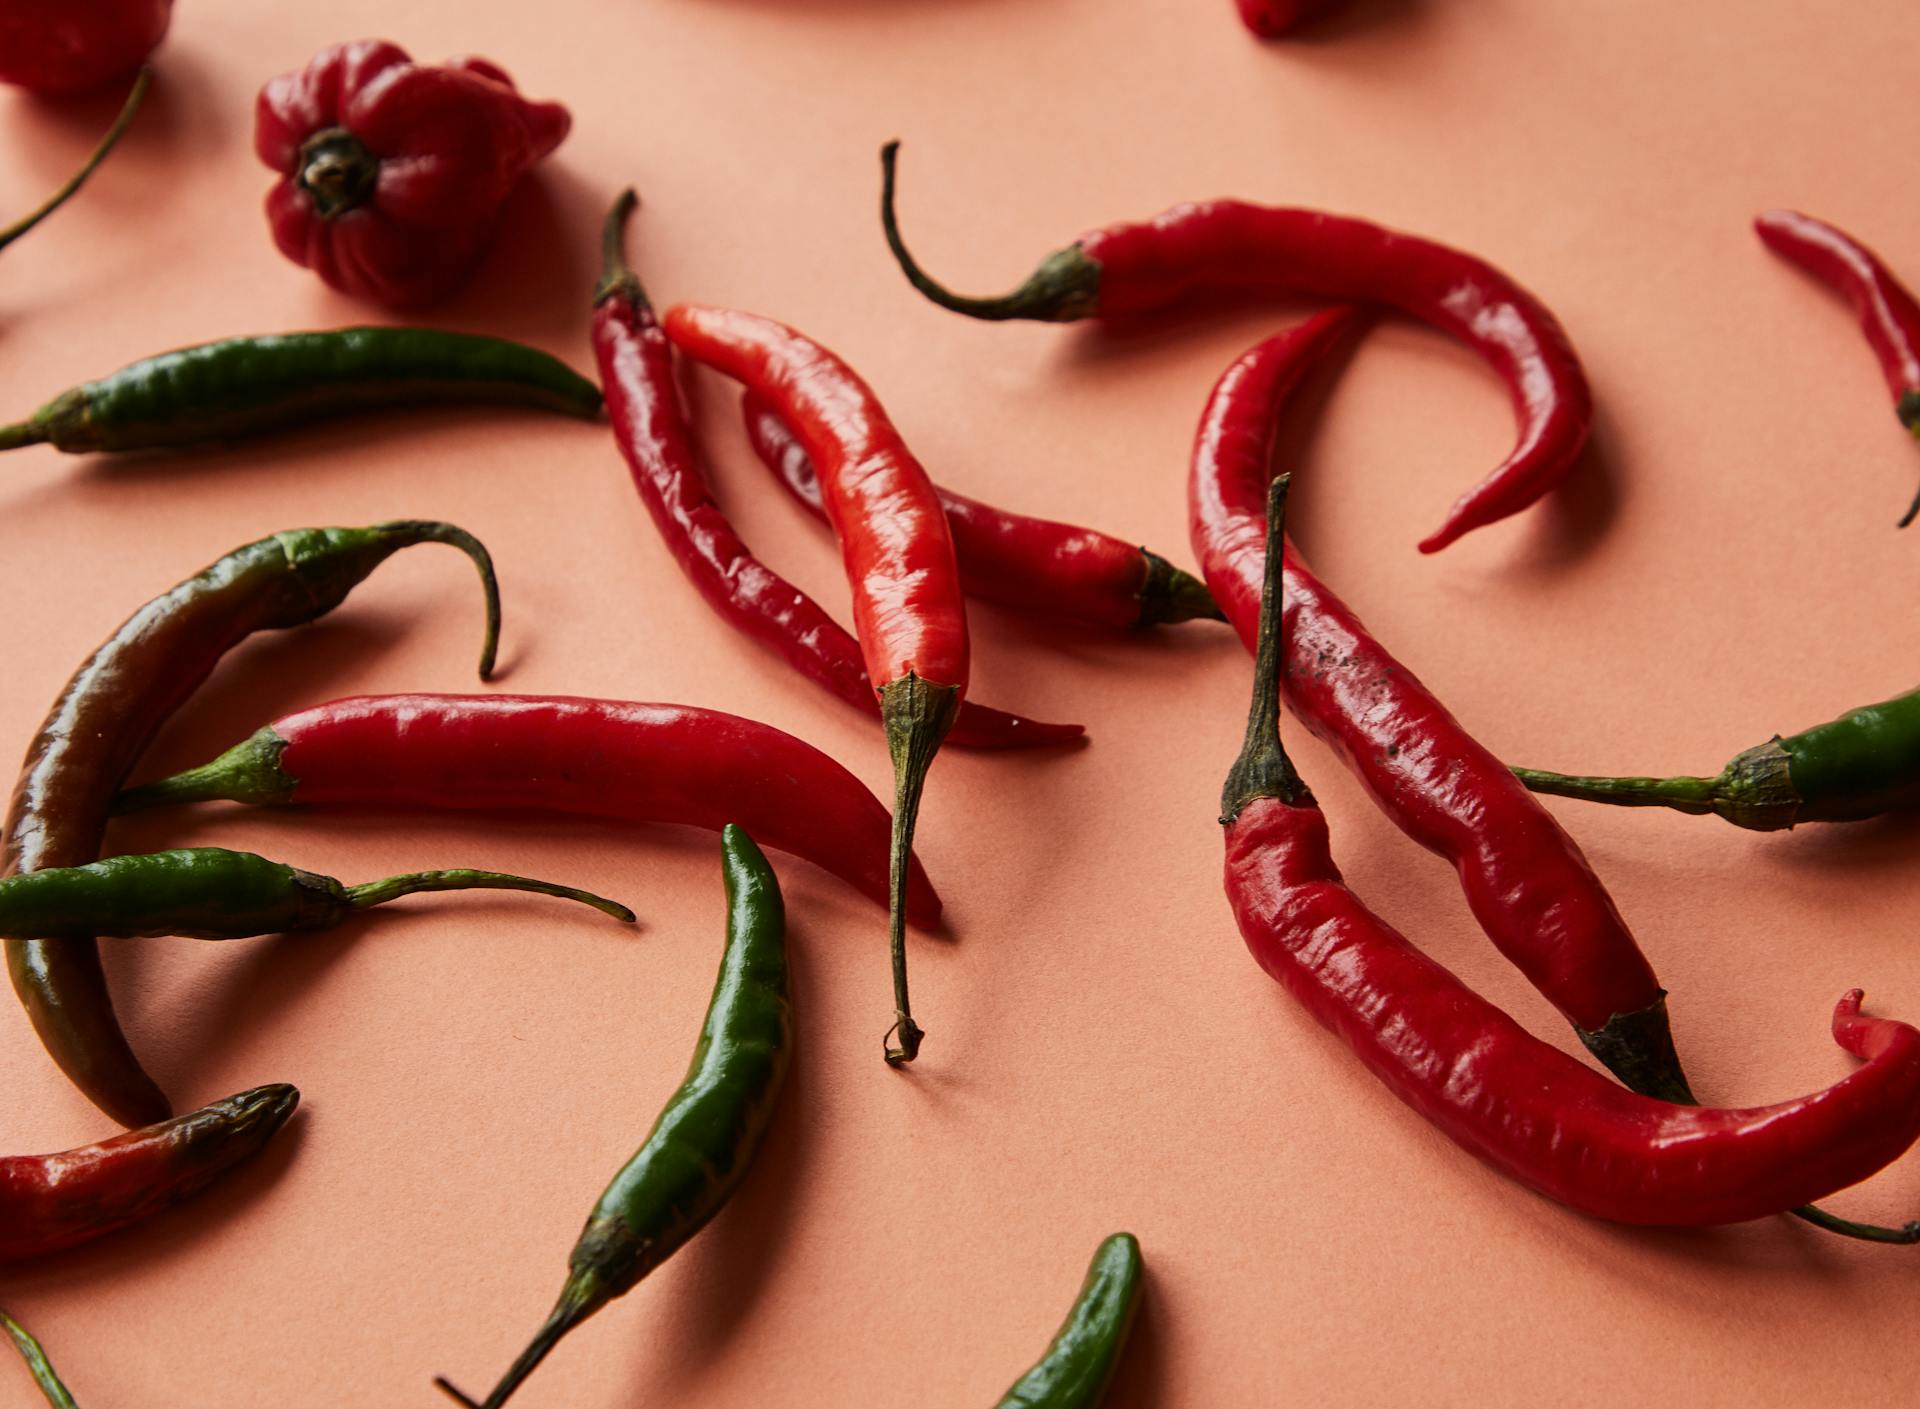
x: 1101, y: 1052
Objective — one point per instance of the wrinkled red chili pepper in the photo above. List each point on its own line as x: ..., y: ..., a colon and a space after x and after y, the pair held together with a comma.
x: 393, y: 173
x: 1036, y: 566
x: 1268, y: 18
x: 651, y: 426
x: 52, y: 1202
x: 1524, y: 878
x: 615, y: 759
x: 1888, y: 314
x: 908, y: 608
x: 70, y: 46
x: 1526, y: 1108
x: 1131, y: 269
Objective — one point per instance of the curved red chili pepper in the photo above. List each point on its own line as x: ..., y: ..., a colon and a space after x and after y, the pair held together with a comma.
x: 1888, y: 314
x: 1268, y: 18
x: 70, y: 46
x: 894, y: 544
x: 392, y: 173
x: 1524, y: 878
x: 1131, y: 269
x: 615, y: 759
x: 1036, y: 566
x: 52, y: 1202
x: 643, y: 404
x: 1526, y: 1108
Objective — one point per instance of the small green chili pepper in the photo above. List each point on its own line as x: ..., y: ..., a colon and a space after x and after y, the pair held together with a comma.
x: 211, y: 893
x: 706, y: 1137
x: 1079, y: 1365
x: 1860, y: 765
x: 240, y: 386
x: 37, y: 1364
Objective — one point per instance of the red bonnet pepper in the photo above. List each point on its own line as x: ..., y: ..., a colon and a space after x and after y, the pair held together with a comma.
x: 393, y: 173
x: 70, y: 46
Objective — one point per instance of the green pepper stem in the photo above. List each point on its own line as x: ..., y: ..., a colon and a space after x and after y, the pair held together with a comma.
x: 1683, y: 794
x: 1263, y: 768
x: 1906, y: 1234
x: 60, y: 197
x: 22, y: 433
x: 365, y: 897
x: 37, y: 1364
x: 249, y: 772
x: 1063, y: 288
x: 617, y: 279
x: 434, y: 531
x: 1170, y: 594
x: 917, y: 715
x: 583, y: 1295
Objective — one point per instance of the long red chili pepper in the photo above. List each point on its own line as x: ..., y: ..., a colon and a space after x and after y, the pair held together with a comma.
x: 1888, y: 314
x: 1037, y: 566
x: 614, y: 759
x: 907, y: 604
x: 650, y: 424
x: 1526, y: 1108
x: 1268, y: 18
x: 1130, y: 269
x: 52, y: 1202
x: 1525, y: 879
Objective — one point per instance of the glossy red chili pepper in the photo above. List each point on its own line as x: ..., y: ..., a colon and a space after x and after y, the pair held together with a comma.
x: 69, y: 46
x: 651, y: 426
x: 51, y: 1202
x: 1036, y: 566
x: 1132, y: 269
x: 615, y: 759
x: 895, y: 547
x: 1524, y: 878
x: 1527, y: 1109
x: 1268, y: 18
x: 392, y: 173
x: 1888, y: 314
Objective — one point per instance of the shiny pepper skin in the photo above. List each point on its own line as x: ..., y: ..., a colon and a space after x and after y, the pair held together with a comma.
x: 71, y: 46
x: 1268, y: 18
x: 393, y: 173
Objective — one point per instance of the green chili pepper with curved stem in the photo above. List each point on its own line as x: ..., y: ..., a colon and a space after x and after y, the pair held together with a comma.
x: 38, y: 1365
x: 241, y: 386
x: 705, y: 1139
x: 212, y: 893
x: 1863, y: 764
x: 1079, y: 1365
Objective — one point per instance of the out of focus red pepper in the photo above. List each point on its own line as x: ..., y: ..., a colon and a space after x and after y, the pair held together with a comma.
x: 69, y: 46
x: 393, y: 173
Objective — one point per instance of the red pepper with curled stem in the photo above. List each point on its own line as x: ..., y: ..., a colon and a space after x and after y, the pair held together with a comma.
x: 1268, y: 18
x: 392, y: 173
x: 1527, y: 1109
x: 614, y: 759
x: 1038, y: 567
x: 908, y: 608
x: 10, y: 233
x: 57, y: 47
x: 49, y: 1203
x: 650, y: 424
x: 1140, y: 267
x: 1888, y: 314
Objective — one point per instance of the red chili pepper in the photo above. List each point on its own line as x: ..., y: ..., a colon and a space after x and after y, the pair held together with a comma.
x: 1036, y: 566
x: 1888, y: 314
x: 69, y: 46
x: 1527, y: 1109
x: 614, y: 759
x: 393, y: 173
x: 51, y: 1202
x: 907, y: 604
x: 651, y: 426
x: 1525, y: 879
x: 1268, y: 18
x: 1132, y: 269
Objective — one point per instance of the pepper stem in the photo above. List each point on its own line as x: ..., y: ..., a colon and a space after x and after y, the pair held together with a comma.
x: 37, y: 1364
x: 1263, y: 768
x: 1906, y: 1234
x: 365, y: 897
x: 336, y: 171
x: 23, y: 433
x: 1066, y: 286
x: 917, y: 715
x: 617, y: 279
x: 1683, y: 794
x: 59, y: 198
x: 249, y: 772
x: 583, y: 1295
x: 1171, y: 594
x: 434, y: 531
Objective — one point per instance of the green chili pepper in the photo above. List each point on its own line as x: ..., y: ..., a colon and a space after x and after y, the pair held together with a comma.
x: 701, y: 1146
x: 1860, y: 765
x: 211, y: 893
x: 1079, y: 1365
x: 240, y: 386
x: 38, y: 1364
